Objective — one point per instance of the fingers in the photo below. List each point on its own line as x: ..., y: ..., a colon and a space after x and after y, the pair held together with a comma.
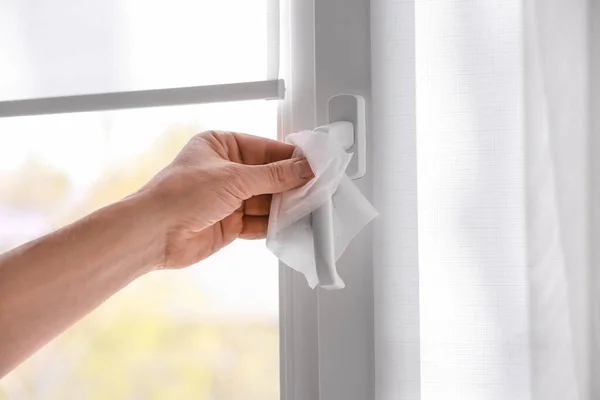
x: 275, y: 177
x: 255, y: 150
x: 254, y: 227
x: 271, y: 168
x: 258, y: 206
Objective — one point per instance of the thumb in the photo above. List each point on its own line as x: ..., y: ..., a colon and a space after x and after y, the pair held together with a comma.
x: 277, y: 177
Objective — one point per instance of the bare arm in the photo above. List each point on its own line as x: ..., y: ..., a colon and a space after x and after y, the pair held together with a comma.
x: 50, y: 283
x: 200, y: 203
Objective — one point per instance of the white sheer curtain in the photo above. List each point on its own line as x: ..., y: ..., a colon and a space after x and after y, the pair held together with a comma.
x: 473, y: 309
x: 450, y: 271
x: 485, y: 250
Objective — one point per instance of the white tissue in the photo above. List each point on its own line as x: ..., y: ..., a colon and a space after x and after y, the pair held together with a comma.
x: 290, y: 233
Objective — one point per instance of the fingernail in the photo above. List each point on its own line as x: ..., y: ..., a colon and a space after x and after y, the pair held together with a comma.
x: 302, y: 169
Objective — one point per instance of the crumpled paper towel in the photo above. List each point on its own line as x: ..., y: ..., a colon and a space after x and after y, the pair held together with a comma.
x: 290, y: 233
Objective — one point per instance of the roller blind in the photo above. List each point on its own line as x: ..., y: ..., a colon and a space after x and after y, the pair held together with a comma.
x: 68, y: 47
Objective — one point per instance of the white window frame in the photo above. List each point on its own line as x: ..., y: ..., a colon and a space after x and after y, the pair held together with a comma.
x: 326, y: 338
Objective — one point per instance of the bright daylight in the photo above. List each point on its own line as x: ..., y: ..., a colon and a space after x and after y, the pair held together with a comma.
x: 170, y: 335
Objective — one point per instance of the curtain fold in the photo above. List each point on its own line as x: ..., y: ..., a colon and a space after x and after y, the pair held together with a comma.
x: 472, y: 268
x: 450, y: 270
x: 559, y: 152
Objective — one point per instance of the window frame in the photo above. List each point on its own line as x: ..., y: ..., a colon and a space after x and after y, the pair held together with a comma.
x: 327, y: 338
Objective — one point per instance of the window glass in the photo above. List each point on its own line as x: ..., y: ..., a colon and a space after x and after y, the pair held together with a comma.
x: 66, y: 47
x: 206, y: 332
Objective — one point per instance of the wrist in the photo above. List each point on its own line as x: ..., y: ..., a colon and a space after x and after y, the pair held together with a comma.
x: 144, y: 223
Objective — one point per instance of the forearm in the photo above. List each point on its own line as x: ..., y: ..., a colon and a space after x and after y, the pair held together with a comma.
x: 48, y: 284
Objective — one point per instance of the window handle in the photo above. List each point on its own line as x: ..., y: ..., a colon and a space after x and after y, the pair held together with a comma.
x: 323, y: 217
x: 324, y: 245
x: 347, y: 125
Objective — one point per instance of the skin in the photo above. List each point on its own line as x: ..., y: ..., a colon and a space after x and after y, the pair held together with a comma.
x: 216, y: 190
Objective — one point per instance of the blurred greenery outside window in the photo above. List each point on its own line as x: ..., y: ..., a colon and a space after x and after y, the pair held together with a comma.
x: 207, y: 332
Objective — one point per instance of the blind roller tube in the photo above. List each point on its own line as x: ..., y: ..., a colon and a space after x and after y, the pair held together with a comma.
x: 268, y: 90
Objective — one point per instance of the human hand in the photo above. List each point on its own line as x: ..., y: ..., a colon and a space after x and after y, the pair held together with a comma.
x: 219, y: 188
